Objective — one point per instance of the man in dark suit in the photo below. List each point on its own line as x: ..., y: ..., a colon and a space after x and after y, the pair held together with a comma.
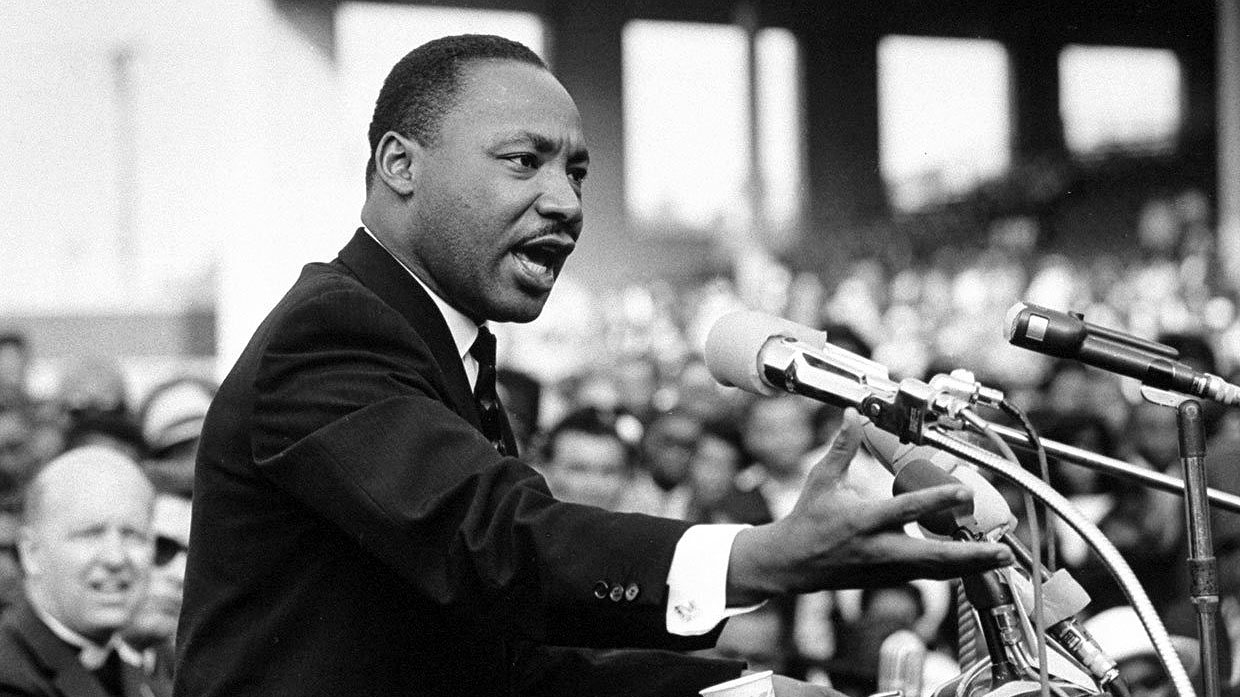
x: 86, y: 551
x: 362, y: 525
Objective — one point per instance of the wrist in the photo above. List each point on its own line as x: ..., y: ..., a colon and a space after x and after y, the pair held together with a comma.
x: 755, y: 573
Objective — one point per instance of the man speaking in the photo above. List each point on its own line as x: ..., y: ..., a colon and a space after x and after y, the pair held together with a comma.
x: 362, y: 525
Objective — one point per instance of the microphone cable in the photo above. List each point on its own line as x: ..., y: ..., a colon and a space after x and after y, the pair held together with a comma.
x: 1035, y: 544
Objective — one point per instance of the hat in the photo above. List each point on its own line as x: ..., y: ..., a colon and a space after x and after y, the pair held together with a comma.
x: 1120, y: 633
x: 173, y: 414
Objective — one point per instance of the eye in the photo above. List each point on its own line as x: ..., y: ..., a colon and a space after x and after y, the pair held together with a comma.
x: 524, y: 160
x: 577, y: 174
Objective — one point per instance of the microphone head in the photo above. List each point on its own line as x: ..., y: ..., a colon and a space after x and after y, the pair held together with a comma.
x: 1011, y: 318
x: 986, y: 513
x: 901, y: 663
x: 923, y: 474
x: 734, y: 345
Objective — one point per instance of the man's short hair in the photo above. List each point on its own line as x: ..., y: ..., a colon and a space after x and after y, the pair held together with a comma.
x: 424, y: 85
x: 15, y: 339
x: 591, y: 421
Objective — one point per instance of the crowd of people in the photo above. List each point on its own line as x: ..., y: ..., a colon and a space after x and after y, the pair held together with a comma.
x: 642, y: 427
x: 646, y: 429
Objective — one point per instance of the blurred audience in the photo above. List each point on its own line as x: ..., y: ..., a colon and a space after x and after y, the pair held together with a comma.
x: 586, y: 459
x: 617, y: 406
x: 171, y: 419
x: 665, y: 451
x: 14, y: 370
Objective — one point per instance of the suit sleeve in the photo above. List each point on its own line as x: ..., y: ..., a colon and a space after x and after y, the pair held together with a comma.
x: 351, y: 418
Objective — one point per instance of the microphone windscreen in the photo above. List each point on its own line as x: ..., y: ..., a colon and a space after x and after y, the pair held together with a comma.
x: 923, y: 474
x: 734, y: 346
x: 901, y: 662
x: 986, y: 513
x: 989, y: 507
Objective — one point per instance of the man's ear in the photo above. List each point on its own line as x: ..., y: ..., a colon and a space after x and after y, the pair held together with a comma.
x: 398, y: 161
x: 28, y: 552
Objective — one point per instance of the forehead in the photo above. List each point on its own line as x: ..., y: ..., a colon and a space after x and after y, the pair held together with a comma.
x: 93, y: 499
x: 504, y: 95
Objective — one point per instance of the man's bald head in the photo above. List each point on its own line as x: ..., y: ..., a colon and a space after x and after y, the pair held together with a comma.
x: 86, y: 542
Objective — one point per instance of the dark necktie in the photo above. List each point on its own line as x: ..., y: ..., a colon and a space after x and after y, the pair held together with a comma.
x: 111, y: 676
x: 485, y: 394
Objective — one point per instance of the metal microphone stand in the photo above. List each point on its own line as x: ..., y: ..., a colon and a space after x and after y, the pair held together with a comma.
x: 1221, y: 500
x: 1202, y: 566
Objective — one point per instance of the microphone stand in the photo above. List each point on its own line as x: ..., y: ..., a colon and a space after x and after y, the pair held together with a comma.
x: 1221, y: 500
x: 1202, y: 565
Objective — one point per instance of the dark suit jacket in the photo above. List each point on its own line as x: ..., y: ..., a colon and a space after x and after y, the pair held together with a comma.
x: 36, y: 662
x: 355, y: 534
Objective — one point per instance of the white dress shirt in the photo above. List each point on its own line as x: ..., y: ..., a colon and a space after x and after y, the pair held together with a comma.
x: 91, y: 655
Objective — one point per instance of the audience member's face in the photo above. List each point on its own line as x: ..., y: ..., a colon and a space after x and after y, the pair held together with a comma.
x: 1155, y: 434
x: 87, y: 552
x: 156, y: 618
x: 700, y: 394
x: 1068, y: 391
x: 10, y: 571
x: 636, y: 382
x: 13, y: 362
x: 778, y: 434
x: 712, y: 468
x: 667, y: 448
x: 588, y: 468
x: 15, y: 435
x: 498, y: 202
x: 1145, y: 677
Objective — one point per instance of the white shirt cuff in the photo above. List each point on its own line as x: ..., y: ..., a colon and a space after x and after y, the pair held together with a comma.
x: 698, y: 580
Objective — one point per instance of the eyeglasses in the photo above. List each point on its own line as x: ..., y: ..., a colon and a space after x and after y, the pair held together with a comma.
x: 167, y: 549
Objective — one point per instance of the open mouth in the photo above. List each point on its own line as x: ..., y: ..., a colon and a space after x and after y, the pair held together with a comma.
x: 543, y: 257
x: 110, y: 586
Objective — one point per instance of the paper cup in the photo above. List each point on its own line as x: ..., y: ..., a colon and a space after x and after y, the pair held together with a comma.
x: 752, y: 685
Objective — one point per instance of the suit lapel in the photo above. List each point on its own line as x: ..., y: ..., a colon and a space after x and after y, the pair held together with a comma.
x: 68, y: 674
x: 379, y: 272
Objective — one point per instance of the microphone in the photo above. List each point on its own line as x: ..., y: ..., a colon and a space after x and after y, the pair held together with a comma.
x: 901, y: 662
x: 986, y: 513
x: 1063, y: 597
x: 768, y: 355
x: 1068, y: 335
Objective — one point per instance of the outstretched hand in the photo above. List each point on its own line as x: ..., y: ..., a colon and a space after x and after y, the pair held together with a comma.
x: 835, y: 537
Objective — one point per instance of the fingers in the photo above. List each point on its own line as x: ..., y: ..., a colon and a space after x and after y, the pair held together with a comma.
x: 843, y: 447
x: 910, y: 557
x: 906, y: 508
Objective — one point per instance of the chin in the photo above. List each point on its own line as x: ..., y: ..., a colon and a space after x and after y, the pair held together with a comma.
x: 523, y: 310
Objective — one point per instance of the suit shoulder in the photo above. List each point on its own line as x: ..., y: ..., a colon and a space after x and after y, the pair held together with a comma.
x: 20, y: 672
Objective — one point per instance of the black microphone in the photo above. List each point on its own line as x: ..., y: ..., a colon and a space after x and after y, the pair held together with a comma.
x: 1068, y: 335
x: 1064, y: 597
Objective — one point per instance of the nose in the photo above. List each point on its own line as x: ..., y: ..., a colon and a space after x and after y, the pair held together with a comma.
x: 560, y: 198
x: 111, y: 551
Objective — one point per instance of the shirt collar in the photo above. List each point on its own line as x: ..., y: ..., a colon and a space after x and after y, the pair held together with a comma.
x: 91, y: 655
x: 462, y: 328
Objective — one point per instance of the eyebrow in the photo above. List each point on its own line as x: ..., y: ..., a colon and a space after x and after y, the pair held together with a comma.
x: 545, y: 144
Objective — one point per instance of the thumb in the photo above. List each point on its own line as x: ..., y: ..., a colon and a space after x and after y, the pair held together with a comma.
x: 834, y: 465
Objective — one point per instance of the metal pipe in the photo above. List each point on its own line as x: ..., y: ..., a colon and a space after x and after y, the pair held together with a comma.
x: 1108, y: 465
